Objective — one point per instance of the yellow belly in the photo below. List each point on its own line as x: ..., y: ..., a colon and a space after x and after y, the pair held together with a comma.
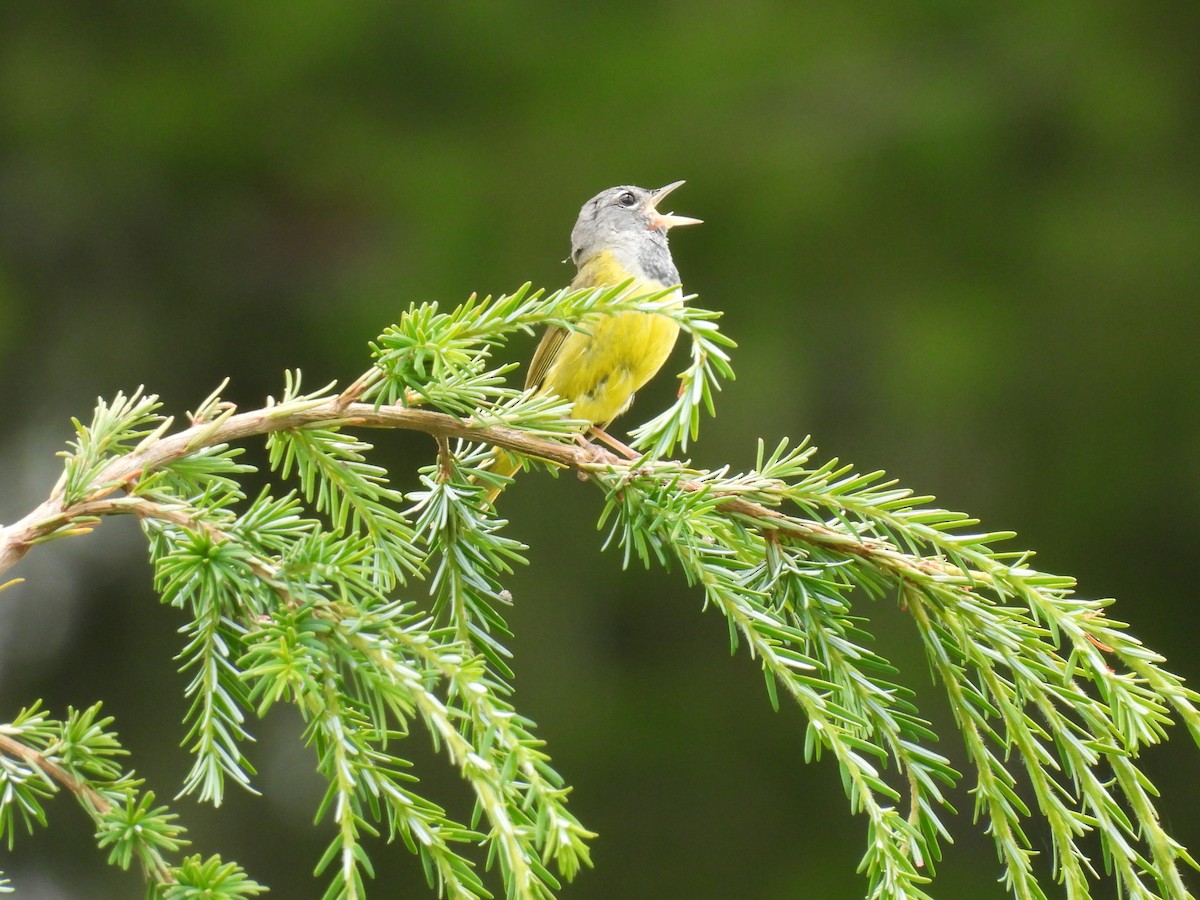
x: 601, y: 371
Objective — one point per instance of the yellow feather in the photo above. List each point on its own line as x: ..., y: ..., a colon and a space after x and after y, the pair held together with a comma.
x: 600, y: 371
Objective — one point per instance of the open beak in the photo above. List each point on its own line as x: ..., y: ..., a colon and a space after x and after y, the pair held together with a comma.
x: 666, y: 220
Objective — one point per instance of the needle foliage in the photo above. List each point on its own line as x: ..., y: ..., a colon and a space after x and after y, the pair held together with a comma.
x: 378, y: 613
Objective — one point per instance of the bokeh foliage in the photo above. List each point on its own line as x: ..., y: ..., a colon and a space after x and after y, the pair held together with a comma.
x: 958, y: 242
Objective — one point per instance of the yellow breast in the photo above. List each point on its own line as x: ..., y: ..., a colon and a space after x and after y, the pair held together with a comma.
x: 600, y: 371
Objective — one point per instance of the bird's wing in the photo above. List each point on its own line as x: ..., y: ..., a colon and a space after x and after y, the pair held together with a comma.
x: 544, y: 356
x: 601, y: 269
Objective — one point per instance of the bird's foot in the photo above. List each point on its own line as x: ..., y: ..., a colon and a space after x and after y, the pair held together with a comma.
x: 624, y: 449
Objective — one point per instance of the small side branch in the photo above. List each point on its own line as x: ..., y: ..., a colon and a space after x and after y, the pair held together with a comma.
x: 16, y: 750
x: 53, y: 515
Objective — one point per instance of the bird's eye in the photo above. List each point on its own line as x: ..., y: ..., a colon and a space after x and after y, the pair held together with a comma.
x: 627, y: 199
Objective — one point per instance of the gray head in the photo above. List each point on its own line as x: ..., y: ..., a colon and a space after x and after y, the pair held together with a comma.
x: 625, y: 220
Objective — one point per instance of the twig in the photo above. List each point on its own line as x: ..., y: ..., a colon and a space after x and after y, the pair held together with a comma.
x: 17, y: 750
x: 53, y: 514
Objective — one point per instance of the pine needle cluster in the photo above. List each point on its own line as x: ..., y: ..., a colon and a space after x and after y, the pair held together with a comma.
x: 378, y: 613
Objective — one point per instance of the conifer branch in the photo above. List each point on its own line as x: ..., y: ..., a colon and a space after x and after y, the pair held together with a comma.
x: 289, y: 599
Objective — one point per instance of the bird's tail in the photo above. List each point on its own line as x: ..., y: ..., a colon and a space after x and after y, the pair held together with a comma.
x: 504, y: 465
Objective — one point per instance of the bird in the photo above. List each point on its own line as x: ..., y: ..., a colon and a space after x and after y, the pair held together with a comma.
x: 620, y: 236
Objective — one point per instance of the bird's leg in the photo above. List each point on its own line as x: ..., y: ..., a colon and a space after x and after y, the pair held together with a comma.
x: 622, y: 448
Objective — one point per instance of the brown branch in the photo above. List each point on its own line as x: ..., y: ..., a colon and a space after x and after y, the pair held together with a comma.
x: 54, y: 514
x: 156, y: 867
x: 13, y: 748
x: 445, y: 460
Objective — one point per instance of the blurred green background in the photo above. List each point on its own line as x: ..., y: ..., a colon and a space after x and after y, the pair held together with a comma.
x: 957, y: 241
